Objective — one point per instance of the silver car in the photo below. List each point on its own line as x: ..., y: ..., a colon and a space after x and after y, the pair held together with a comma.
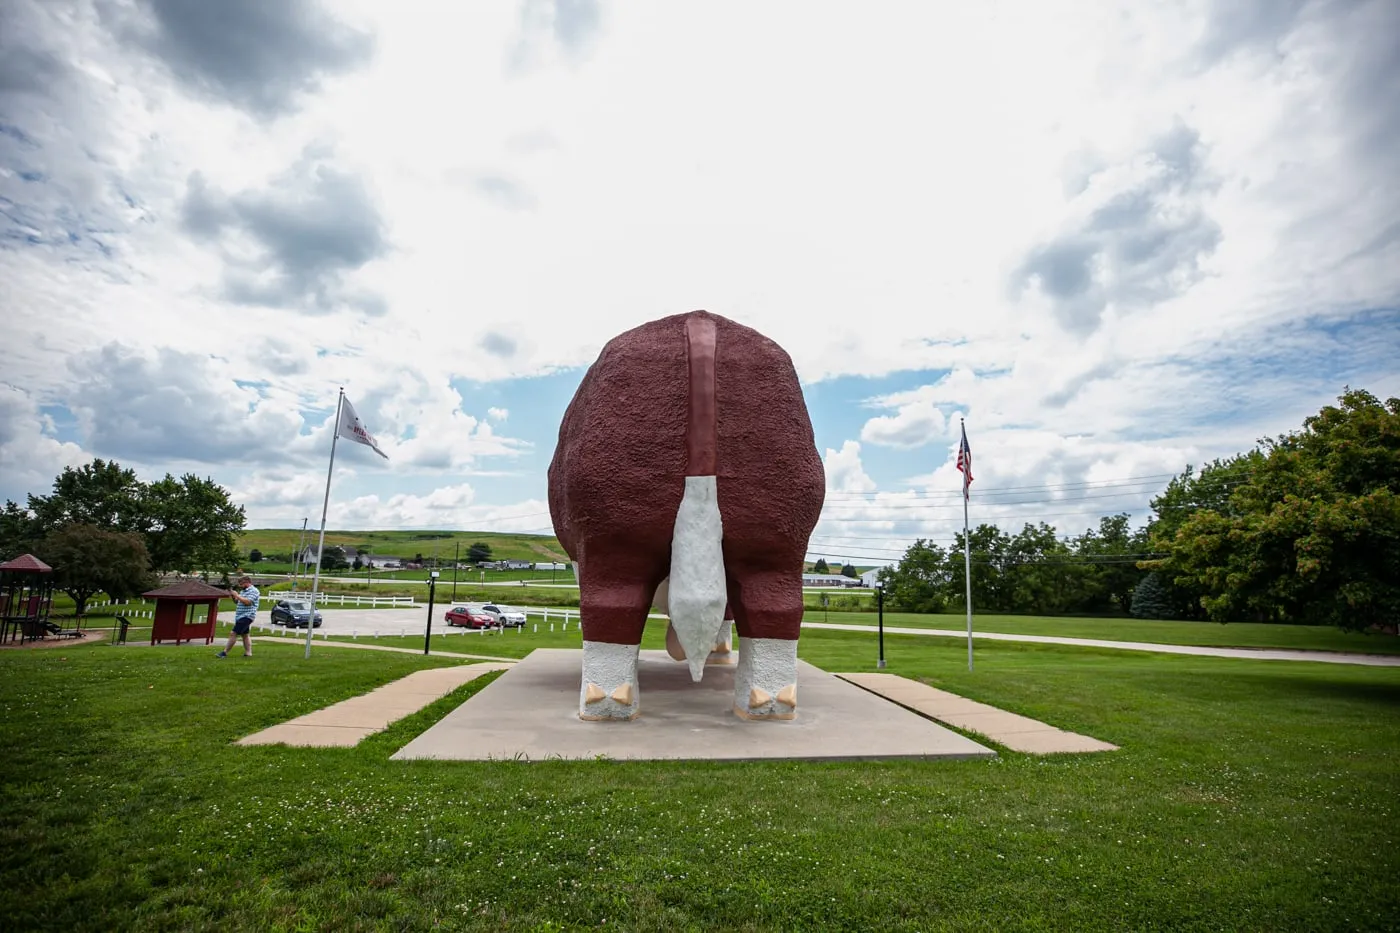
x: 506, y: 616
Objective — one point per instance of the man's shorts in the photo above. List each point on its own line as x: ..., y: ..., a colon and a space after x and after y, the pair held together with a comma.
x: 242, y: 626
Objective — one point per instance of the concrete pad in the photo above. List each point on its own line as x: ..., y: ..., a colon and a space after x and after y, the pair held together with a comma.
x: 1053, y: 741
x: 317, y: 736
x: 531, y: 712
x: 350, y: 721
x: 1016, y: 732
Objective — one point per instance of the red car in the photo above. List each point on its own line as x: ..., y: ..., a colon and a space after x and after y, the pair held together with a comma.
x: 469, y: 617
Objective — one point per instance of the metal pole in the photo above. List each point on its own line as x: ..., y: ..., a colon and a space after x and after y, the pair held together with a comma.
x: 456, y: 556
x: 325, y: 505
x: 880, y: 606
x: 301, y: 549
x: 428, y: 631
x: 967, y: 573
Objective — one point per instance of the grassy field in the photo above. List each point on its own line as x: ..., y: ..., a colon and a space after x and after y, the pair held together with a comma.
x: 1233, y: 635
x: 1246, y: 796
x: 408, y: 543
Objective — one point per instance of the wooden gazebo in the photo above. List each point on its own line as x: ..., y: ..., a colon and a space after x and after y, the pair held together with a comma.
x: 185, y: 611
x: 26, y: 596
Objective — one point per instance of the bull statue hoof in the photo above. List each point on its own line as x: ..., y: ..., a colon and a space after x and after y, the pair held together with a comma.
x: 765, y: 680
x: 609, y: 689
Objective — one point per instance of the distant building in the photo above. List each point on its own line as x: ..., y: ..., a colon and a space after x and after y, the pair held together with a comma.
x: 546, y: 565
x: 827, y: 579
x: 871, y: 577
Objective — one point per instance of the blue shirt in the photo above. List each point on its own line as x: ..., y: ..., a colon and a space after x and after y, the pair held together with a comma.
x: 241, y: 611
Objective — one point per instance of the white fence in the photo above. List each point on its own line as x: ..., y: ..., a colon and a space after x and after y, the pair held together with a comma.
x: 327, y: 599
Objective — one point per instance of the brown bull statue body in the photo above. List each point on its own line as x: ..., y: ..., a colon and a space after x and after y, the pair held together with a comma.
x: 687, y: 458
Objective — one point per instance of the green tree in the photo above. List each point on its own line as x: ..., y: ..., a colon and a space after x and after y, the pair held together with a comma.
x: 1110, y: 575
x: 821, y: 566
x: 1152, y: 599
x: 333, y: 558
x: 992, y: 582
x: 255, y: 556
x: 192, y: 524
x: 479, y: 553
x: 849, y: 570
x: 19, y: 531
x: 89, y: 560
x: 919, y: 581
x: 357, y: 564
x: 100, y: 493
x: 1314, y: 533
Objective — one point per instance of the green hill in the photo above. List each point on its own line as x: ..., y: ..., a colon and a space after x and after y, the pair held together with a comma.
x: 504, y: 545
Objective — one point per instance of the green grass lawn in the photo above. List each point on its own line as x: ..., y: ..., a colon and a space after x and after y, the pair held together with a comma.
x: 1233, y: 635
x: 1246, y: 796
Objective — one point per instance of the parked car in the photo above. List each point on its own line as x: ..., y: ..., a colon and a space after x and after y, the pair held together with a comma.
x: 294, y: 613
x: 506, y: 616
x: 469, y: 617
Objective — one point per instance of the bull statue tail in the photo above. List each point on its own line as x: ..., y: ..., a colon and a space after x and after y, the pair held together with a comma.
x: 696, y: 592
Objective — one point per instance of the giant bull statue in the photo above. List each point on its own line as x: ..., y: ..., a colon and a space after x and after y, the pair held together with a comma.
x: 686, y: 457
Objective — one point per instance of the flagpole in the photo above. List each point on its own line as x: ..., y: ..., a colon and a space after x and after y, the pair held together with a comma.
x: 967, y: 574
x: 967, y: 553
x: 325, y: 506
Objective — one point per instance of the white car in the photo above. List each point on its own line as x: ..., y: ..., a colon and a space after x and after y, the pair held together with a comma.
x: 507, y: 616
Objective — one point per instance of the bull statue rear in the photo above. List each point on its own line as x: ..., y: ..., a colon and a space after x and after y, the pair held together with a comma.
x: 686, y: 463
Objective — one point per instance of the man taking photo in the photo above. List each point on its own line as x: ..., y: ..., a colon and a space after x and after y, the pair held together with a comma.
x: 245, y: 600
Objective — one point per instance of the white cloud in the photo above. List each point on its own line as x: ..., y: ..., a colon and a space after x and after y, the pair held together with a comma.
x: 844, y: 472
x: 917, y: 419
x: 1086, y: 222
x: 30, y: 453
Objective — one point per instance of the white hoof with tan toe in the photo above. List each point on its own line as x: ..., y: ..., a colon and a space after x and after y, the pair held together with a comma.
x: 765, y: 680
x: 609, y: 690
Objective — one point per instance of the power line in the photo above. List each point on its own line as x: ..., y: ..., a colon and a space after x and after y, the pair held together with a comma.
x: 1084, y: 486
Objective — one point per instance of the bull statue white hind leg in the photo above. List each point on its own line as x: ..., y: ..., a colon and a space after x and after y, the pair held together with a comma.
x: 609, y: 689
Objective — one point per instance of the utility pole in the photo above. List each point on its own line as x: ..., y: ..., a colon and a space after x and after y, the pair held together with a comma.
x: 301, y: 549
x: 456, y: 557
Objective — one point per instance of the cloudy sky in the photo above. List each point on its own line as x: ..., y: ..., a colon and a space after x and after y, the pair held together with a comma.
x: 1117, y: 238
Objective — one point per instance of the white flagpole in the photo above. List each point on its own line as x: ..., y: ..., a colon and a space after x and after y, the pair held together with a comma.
x: 967, y: 556
x: 325, y: 506
x: 967, y: 573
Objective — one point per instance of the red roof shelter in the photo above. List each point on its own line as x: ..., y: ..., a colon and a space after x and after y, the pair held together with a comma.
x: 26, y: 596
x: 178, y: 611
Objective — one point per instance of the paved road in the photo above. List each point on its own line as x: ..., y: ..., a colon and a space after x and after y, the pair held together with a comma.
x: 364, y: 623
x: 1255, y: 654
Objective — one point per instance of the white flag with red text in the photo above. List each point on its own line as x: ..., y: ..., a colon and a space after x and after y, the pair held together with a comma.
x: 353, y: 428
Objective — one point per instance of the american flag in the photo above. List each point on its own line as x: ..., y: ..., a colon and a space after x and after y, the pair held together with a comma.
x: 965, y: 461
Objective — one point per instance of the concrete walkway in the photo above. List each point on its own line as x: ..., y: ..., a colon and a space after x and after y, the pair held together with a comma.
x: 349, y: 722
x: 1249, y: 654
x: 1018, y: 733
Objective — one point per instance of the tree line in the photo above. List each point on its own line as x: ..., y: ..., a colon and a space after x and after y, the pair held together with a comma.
x: 104, y: 530
x: 1303, y: 528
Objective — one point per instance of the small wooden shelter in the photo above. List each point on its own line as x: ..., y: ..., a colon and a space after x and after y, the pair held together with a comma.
x: 185, y: 611
x: 26, y: 596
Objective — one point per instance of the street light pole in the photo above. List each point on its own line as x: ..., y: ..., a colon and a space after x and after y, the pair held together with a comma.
x: 456, y: 557
x: 432, y: 588
x: 880, y: 607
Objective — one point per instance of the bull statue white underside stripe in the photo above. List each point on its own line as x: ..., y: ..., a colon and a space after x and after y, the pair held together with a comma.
x: 695, y: 591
